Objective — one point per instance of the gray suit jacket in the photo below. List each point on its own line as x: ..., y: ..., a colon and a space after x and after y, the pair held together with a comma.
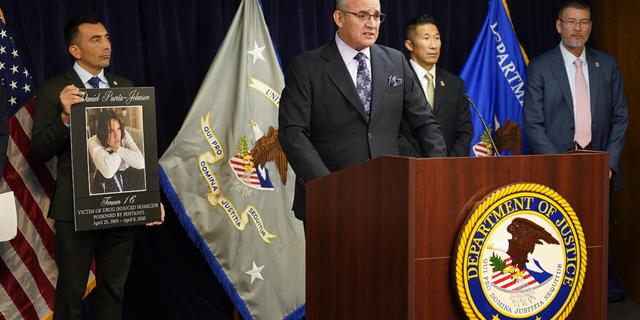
x: 322, y: 124
x: 548, y: 116
x: 50, y: 136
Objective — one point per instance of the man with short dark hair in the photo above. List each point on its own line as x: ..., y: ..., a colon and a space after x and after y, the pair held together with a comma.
x: 444, y: 90
x: 342, y: 103
x: 88, y: 42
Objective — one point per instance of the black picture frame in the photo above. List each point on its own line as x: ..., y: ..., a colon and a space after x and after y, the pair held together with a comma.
x: 119, y: 197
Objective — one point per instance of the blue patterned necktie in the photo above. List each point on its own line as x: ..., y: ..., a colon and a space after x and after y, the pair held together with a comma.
x: 364, y: 83
x: 94, y: 82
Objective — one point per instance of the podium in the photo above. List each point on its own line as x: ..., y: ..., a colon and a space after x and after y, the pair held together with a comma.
x: 381, y: 234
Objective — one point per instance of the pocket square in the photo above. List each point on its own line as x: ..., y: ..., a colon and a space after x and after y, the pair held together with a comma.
x: 394, y: 81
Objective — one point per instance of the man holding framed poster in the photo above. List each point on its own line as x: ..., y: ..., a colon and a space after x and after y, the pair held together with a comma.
x: 88, y: 41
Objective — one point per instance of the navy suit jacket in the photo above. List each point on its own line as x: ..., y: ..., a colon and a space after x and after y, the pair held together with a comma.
x: 453, y: 114
x: 322, y: 124
x: 548, y: 114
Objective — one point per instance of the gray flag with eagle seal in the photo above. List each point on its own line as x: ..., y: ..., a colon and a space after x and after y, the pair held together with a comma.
x: 229, y: 181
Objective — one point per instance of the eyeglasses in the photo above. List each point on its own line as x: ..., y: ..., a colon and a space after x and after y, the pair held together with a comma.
x: 378, y: 17
x: 572, y: 23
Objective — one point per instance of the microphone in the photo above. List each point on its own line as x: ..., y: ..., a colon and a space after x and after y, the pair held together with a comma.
x: 466, y: 96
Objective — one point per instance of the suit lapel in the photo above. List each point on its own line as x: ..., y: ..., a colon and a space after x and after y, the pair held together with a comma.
x: 594, y: 77
x: 338, y: 73
x: 74, y: 79
x: 560, y: 73
x: 416, y: 77
x: 379, y: 77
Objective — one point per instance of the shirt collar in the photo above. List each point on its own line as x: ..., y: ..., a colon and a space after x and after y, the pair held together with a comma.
x: 569, y: 58
x: 420, y: 71
x: 85, y: 75
x: 348, y: 53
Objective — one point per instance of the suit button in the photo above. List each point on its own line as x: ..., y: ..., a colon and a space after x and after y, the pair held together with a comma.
x: 369, y: 135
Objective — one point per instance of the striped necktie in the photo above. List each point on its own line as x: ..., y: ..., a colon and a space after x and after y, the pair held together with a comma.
x: 94, y: 82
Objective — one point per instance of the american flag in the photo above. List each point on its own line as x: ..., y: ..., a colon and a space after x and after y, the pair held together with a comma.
x: 28, y: 270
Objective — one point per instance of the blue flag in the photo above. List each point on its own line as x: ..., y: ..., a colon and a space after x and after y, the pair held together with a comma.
x: 495, y: 74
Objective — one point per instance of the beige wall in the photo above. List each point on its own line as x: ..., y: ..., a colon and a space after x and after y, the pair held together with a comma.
x: 616, y: 30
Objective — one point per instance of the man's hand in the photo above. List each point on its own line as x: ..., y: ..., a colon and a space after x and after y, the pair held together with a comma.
x: 68, y: 96
x: 157, y: 223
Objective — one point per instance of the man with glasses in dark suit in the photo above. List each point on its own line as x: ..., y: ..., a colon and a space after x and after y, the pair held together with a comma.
x: 342, y: 102
x: 574, y: 99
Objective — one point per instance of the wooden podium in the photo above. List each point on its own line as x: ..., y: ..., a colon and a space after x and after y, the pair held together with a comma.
x: 381, y: 235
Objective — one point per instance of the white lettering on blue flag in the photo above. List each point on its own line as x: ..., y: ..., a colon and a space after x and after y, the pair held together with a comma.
x: 495, y: 74
x: 509, y: 69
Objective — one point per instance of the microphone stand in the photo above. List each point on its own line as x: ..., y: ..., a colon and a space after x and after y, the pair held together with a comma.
x: 466, y: 96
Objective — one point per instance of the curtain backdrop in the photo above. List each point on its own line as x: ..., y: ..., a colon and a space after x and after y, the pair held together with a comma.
x: 170, y: 45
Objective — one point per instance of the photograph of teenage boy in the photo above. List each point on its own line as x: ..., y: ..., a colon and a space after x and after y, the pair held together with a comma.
x: 117, y: 158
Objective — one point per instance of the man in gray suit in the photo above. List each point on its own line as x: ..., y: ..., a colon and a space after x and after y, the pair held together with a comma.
x: 342, y: 102
x: 88, y: 42
x: 574, y: 99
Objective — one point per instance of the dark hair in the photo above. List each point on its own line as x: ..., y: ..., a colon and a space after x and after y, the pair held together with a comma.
x: 576, y: 4
x: 416, y: 22
x: 104, y: 122
x: 71, y: 27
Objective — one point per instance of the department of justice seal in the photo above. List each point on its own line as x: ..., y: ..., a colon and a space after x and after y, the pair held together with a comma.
x: 521, y: 255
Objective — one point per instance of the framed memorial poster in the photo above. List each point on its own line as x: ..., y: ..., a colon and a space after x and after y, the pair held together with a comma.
x: 115, y: 159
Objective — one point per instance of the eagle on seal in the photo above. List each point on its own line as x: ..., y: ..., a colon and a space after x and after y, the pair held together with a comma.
x: 509, y: 137
x: 268, y: 148
x: 525, y: 234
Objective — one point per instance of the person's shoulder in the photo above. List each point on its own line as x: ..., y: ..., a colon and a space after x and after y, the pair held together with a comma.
x: 59, y: 80
x: 93, y: 139
x: 329, y: 48
x: 544, y: 58
x: 50, y: 88
x: 118, y: 80
x: 392, y: 55
x: 313, y: 59
x: 386, y: 50
x: 600, y: 55
x: 448, y: 75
